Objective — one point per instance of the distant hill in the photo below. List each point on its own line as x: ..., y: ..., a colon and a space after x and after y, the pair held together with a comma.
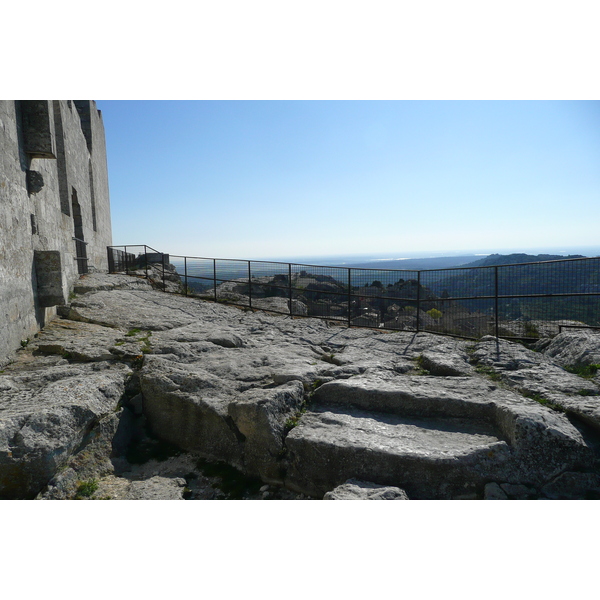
x: 513, y: 259
x: 535, y: 276
x: 414, y: 264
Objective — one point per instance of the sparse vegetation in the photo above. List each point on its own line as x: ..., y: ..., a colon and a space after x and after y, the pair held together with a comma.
x: 421, y: 370
x: 543, y: 401
x: 489, y: 372
x: 434, y: 313
x: 86, y: 489
x: 531, y: 329
x: 312, y: 387
x: 146, y: 346
x: 330, y: 358
x: 293, y: 421
x: 588, y: 393
x: 585, y: 371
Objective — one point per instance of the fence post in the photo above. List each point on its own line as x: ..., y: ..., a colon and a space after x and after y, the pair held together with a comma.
x: 290, y: 287
x: 249, y: 286
x: 496, y: 313
x: 126, y: 262
x: 146, y: 260
x: 349, y: 296
x: 163, y: 273
x: 418, y: 299
x: 185, y: 273
x: 109, y: 259
x: 215, y: 277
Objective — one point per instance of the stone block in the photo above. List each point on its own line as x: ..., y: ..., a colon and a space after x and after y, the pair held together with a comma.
x: 50, y: 278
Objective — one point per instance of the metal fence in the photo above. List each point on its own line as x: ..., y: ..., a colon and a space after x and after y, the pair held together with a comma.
x: 524, y: 301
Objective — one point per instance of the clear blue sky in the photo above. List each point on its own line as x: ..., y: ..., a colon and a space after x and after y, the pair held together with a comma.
x: 255, y: 179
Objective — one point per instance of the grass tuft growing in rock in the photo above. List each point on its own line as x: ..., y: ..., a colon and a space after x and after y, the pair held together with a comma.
x: 331, y: 359
x: 86, y: 489
x: 543, y: 401
x: 421, y: 370
x: 293, y: 421
x: 489, y: 372
x: 588, y: 393
x: 585, y: 371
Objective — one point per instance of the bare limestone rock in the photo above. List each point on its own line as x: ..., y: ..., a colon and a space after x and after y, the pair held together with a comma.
x: 354, y: 489
x: 263, y: 417
x: 574, y: 348
x: 153, y: 488
x: 429, y: 421
x: 46, y: 414
x: 540, y: 377
x: 440, y: 362
x: 93, y: 459
x: 97, y: 282
x: 298, y: 402
x: 280, y: 305
x: 188, y: 406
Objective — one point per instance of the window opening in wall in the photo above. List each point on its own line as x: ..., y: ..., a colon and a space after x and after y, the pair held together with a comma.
x: 38, y: 128
x: 23, y: 158
x: 92, y: 194
x: 83, y: 109
x: 80, y: 245
x: 61, y: 160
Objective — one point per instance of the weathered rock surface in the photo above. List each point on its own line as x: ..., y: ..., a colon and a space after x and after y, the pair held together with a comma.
x: 153, y: 488
x: 443, y: 361
x: 354, y: 489
x: 573, y: 348
x: 97, y: 282
x: 46, y: 414
x: 539, y: 376
x: 292, y: 402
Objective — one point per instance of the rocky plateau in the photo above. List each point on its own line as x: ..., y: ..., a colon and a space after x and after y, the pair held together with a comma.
x: 134, y: 393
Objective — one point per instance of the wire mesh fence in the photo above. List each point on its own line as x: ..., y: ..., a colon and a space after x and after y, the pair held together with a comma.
x: 526, y: 301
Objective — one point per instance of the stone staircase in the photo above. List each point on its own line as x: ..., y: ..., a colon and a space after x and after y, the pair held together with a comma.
x: 434, y: 437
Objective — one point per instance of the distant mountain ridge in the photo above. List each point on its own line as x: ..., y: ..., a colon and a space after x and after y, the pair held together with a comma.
x: 449, y: 262
x: 513, y: 259
x: 414, y: 264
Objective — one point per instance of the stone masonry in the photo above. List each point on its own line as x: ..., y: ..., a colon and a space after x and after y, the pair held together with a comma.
x: 53, y: 187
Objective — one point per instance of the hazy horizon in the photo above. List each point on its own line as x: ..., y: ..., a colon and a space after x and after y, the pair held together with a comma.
x: 322, y: 178
x: 376, y: 257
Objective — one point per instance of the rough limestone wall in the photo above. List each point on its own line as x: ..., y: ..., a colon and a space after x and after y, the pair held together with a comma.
x: 17, y: 310
x: 39, y: 216
x: 103, y: 237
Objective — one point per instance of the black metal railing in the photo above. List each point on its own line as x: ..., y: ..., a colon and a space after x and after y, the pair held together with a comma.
x: 524, y: 301
x: 81, y: 256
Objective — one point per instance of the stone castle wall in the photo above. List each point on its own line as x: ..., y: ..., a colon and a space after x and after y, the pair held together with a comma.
x: 53, y: 187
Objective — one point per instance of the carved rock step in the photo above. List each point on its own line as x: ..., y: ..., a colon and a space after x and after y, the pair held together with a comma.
x: 429, y: 458
x: 435, y: 437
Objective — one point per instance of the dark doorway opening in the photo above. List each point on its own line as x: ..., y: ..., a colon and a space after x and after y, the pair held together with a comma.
x: 80, y: 243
